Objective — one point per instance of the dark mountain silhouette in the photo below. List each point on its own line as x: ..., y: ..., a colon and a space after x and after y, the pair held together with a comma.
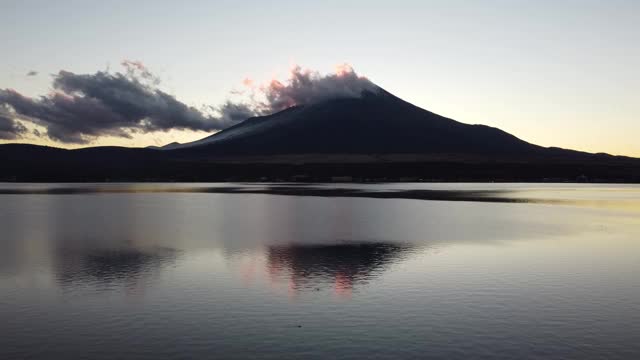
x: 373, y: 124
x: 376, y: 136
x: 169, y: 146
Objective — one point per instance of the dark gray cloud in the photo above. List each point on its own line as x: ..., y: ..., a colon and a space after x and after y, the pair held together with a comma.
x: 83, y: 107
x: 233, y: 112
x: 32, y: 73
x: 11, y: 129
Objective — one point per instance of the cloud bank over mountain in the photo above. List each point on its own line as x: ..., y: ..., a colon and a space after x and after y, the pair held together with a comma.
x: 84, y: 107
x: 304, y: 86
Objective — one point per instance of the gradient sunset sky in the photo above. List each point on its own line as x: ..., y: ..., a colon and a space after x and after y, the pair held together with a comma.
x: 555, y: 73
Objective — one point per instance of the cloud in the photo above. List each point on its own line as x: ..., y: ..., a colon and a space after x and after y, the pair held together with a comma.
x: 32, y: 73
x: 11, y: 129
x: 305, y: 86
x: 233, y: 112
x: 83, y: 107
x: 137, y: 68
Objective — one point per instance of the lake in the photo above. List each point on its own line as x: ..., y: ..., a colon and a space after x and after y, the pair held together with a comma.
x: 317, y: 271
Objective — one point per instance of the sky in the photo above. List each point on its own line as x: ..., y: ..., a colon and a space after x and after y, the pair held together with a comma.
x: 555, y: 73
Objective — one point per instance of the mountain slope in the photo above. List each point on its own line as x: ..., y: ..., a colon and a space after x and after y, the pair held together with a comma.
x: 373, y: 124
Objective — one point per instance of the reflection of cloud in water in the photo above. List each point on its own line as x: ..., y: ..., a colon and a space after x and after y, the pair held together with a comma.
x: 340, y: 266
x: 109, y: 268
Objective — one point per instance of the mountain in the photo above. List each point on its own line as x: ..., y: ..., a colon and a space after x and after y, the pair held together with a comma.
x: 376, y: 123
x: 376, y: 136
x: 170, y: 146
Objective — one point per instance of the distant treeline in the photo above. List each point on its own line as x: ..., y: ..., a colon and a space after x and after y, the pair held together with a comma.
x: 41, y: 164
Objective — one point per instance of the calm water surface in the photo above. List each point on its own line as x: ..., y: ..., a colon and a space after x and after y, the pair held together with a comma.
x: 385, y: 271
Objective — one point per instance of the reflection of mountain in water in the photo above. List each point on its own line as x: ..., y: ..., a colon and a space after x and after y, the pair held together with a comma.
x: 343, y: 266
x: 128, y: 266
